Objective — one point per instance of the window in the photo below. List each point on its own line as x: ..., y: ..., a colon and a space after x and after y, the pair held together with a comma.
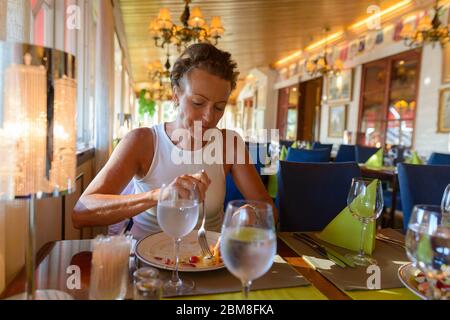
x: 388, y: 100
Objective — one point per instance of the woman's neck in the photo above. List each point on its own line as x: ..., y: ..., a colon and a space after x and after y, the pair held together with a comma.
x: 186, y: 144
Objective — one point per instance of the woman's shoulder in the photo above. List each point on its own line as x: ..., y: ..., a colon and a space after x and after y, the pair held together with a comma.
x: 138, y: 136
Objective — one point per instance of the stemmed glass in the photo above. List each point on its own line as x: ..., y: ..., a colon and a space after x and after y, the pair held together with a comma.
x: 365, y: 202
x: 428, y: 246
x: 177, y: 214
x: 248, y: 243
x: 445, y: 204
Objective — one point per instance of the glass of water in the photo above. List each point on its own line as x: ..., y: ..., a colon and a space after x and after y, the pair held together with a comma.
x: 177, y: 215
x: 248, y: 244
x: 445, y: 203
x: 428, y: 246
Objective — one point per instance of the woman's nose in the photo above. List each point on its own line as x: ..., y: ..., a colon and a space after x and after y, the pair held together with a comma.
x: 208, y: 115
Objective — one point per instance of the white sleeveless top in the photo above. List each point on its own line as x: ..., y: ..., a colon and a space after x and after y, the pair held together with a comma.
x: 163, y: 171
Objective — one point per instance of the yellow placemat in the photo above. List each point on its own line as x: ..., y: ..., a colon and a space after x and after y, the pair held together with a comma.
x: 297, y: 293
x: 391, y: 294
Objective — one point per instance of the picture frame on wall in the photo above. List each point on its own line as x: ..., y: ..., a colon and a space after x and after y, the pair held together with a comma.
x: 337, y: 121
x: 339, y: 87
x: 446, y: 64
x: 444, y: 111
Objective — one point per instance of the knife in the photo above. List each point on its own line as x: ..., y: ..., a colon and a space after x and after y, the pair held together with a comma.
x: 339, y: 256
x: 320, y: 250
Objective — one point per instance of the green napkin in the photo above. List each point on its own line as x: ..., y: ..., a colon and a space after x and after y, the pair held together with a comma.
x: 283, y: 153
x: 345, y: 230
x: 308, y: 146
x: 375, y: 161
x: 294, y: 145
x: 415, y: 159
x: 272, y: 184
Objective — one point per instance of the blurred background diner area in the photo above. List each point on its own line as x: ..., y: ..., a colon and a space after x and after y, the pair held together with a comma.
x: 328, y: 90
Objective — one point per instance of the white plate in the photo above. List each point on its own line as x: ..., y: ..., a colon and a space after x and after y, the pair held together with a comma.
x: 406, y: 274
x: 160, y: 245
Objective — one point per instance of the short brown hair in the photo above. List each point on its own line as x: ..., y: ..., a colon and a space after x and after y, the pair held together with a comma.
x: 206, y: 57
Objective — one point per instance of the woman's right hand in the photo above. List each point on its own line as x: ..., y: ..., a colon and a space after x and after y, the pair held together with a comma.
x: 186, y: 182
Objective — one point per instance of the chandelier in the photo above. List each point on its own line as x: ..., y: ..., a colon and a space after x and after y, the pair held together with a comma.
x: 159, y: 87
x: 320, y: 65
x: 194, y: 28
x: 428, y: 30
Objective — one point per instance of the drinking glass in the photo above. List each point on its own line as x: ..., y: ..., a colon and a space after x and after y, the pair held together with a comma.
x: 109, y: 270
x: 148, y: 289
x: 445, y: 203
x: 428, y: 247
x: 248, y: 243
x: 366, y: 206
x: 177, y: 215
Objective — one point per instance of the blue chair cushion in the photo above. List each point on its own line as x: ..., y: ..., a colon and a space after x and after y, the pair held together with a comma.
x: 303, y: 155
x: 363, y: 154
x: 318, y: 145
x: 310, y: 195
x: 346, y: 153
x: 439, y: 158
x: 421, y: 184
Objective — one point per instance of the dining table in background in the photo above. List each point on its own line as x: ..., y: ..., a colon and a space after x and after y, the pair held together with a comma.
x: 386, y: 174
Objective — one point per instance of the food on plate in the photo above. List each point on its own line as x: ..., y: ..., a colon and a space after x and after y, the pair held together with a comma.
x: 441, y: 289
x: 197, y: 261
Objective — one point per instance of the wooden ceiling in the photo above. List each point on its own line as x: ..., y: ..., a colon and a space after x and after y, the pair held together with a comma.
x: 257, y: 32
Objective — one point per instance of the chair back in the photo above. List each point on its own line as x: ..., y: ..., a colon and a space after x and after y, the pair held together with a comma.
x: 437, y: 158
x: 363, y: 153
x: 346, y: 153
x: 303, y: 155
x: 318, y: 145
x: 421, y: 184
x: 310, y: 195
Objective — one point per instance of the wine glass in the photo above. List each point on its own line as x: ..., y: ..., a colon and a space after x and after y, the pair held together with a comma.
x: 365, y: 202
x: 248, y: 243
x: 428, y: 246
x: 177, y: 215
x: 445, y: 204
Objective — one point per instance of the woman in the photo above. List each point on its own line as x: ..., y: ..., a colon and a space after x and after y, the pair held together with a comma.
x: 202, y: 80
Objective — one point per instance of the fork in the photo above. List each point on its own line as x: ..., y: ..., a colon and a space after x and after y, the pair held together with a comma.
x: 382, y: 237
x: 201, y: 235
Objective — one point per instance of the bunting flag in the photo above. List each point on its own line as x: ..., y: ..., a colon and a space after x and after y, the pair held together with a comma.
x: 398, y: 30
x: 370, y: 41
x: 353, y: 50
x: 380, y: 37
x: 343, y: 54
x: 362, y: 44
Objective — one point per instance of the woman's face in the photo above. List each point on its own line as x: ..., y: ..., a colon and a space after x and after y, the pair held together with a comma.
x: 201, y: 97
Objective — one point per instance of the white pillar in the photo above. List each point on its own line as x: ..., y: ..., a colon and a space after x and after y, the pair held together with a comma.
x: 104, y: 84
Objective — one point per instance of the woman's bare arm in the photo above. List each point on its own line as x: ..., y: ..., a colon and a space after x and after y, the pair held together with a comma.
x: 247, y: 179
x: 101, y: 203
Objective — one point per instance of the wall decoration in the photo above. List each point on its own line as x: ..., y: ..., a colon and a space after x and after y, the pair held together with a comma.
x: 446, y: 64
x: 339, y: 87
x: 444, y: 111
x: 380, y: 37
x: 337, y: 121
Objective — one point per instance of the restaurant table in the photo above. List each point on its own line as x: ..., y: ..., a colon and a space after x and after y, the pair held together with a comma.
x: 54, y: 258
x: 388, y: 174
